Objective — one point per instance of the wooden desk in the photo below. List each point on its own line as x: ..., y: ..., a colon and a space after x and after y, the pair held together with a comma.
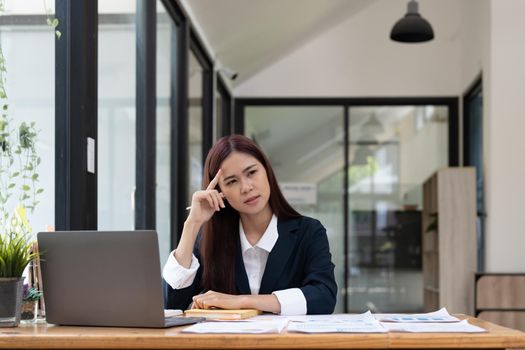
x: 57, y: 337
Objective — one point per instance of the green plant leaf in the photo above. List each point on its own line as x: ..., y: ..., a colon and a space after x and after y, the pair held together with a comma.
x: 25, y: 188
x: 15, y: 253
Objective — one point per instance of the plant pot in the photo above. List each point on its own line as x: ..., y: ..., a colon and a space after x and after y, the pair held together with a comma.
x: 28, y: 310
x: 10, y: 301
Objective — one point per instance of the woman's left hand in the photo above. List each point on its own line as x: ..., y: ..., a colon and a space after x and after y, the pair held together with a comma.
x: 213, y: 299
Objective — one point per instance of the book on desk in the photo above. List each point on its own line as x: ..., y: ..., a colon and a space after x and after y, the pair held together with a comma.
x: 222, y: 314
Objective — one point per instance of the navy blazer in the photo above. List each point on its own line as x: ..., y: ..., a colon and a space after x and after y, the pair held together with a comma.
x: 300, y: 259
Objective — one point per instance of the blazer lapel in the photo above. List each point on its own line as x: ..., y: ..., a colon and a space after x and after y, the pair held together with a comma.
x: 241, y: 279
x: 279, y: 255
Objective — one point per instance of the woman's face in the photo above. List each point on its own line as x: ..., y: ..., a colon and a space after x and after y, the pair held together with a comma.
x: 244, y: 183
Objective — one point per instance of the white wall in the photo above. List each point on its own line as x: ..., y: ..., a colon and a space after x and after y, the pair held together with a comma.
x: 357, y: 58
x: 505, y: 124
x: 475, y: 41
x: 492, y: 31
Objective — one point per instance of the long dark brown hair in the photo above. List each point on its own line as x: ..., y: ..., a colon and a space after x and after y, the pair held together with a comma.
x: 221, y: 233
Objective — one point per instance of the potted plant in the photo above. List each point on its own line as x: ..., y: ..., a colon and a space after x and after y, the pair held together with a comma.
x: 30, y: 298
x: 18, y: 164
x: 18, y: 189
x: 15, y: 255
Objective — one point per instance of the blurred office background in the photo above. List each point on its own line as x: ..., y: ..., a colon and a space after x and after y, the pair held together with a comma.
x: 352, y: 121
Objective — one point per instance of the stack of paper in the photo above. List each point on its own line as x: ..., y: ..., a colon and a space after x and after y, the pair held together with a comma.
x: 432, y: 322
x: 441, y: 315
x: 433, y: 327
x: 438, y: 321
x: 252, y: 327
x: 362, y: 323
x: 172, y: 312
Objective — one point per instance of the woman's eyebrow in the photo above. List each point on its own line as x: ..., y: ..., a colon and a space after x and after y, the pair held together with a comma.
x: 233, y: 176
x: 248, y: 168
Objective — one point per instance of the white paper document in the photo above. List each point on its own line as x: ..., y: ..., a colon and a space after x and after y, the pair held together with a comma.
x: 439, y: 316
x: 336, y: 327
x: 332, y: 318
x: 450, y: 327
x: 255, y: 327
x: 361, y: 323
x: 172, y: 312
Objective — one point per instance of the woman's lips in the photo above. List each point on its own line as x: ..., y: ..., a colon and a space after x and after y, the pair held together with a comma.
x: 251, y: 200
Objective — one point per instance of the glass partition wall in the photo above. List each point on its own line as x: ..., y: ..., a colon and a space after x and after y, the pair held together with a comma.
x: 390, y: 151
x: 116, y: 115
x: 29, y: 48
x: 182, y: 111
x: 28, y: 62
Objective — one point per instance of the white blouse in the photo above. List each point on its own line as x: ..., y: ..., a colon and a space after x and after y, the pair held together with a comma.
x: 292, y: 300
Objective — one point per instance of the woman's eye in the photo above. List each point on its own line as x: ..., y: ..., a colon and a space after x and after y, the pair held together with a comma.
x: 231, y: 182
x: 251, y: 172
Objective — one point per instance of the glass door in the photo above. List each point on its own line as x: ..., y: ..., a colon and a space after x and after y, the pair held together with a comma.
x: 392, y: 151
x: 360, y: 170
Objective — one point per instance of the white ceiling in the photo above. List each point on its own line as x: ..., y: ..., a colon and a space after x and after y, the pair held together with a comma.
x: 249, y: 35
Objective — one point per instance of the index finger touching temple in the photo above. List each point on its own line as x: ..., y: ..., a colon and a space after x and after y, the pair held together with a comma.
x: 215, y: 180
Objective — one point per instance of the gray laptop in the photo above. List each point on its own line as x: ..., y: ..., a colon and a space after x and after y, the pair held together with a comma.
x: 96, y: 278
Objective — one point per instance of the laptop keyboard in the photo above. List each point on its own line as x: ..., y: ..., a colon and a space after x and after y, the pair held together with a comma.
x: 174, y: 321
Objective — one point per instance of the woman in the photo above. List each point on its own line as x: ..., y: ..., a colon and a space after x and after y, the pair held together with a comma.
x: 255, y: 251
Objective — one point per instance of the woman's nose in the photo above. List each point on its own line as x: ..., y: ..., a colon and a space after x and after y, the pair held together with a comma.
x: 246, y: 185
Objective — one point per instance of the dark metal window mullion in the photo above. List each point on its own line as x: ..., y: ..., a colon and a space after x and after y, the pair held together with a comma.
x: 238, y: 117
x: 453, y: 133
x: 226, y: 108
x: 179, y: 122
x: 76, y: 107
x: 145, y: 173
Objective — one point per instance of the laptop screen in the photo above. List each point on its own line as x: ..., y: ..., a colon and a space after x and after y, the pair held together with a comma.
x: 102, y: 278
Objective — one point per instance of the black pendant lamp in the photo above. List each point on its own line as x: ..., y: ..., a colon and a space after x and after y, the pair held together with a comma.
x: 412, y: 28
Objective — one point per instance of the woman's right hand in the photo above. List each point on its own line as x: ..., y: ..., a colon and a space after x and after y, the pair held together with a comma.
x: 205, y: 203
